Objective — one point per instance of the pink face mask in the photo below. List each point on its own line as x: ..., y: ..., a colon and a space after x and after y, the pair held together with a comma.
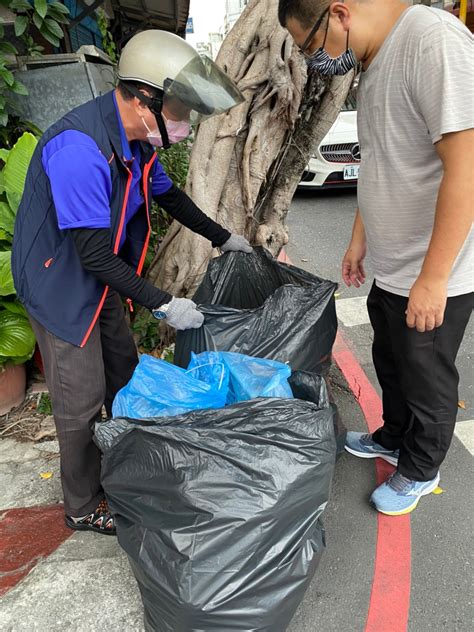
x: 177, y: 131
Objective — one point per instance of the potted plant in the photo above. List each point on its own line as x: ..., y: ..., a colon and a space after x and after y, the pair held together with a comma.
x: 17, y: 340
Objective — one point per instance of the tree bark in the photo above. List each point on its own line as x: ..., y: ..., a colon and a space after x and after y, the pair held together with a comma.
x: 246, y: 164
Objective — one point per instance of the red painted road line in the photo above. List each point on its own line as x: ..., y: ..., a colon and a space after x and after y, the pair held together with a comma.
x: 27, y: 536
x: 390, y: 598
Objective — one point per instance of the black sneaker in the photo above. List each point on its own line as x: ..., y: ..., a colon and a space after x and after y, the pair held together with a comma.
x: 100, y: 520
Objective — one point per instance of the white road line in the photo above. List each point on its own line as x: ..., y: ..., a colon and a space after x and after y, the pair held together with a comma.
x: 464, y: 431
x: 352, y: 311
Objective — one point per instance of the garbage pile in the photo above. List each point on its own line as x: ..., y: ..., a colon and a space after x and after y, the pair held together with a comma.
x: 218, y: 470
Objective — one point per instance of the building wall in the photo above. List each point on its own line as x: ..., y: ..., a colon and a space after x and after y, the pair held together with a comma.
x: 233, y: 10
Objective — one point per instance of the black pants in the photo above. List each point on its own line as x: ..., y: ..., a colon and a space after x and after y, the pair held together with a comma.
x: 419, y: 380
x: 80, y: 382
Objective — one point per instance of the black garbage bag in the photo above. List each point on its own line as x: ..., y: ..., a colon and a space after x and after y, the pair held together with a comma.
x: 255, y: 305
x: 313, y: 388
x: 309, y: 387
x: 219, y: 511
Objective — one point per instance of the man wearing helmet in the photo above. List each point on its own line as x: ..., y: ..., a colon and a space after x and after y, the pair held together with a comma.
x: 81, y: 237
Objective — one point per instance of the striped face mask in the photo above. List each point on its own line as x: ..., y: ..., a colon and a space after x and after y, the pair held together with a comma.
x: 320, y: 61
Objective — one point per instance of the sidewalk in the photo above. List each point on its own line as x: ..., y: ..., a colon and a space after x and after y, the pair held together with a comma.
x: 52, y: 578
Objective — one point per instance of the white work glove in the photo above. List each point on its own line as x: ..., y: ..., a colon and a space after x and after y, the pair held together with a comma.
x: 237, y: 243
x: 182, y: 313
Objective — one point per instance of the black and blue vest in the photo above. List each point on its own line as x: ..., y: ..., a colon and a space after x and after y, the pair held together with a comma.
x: 49, y: 278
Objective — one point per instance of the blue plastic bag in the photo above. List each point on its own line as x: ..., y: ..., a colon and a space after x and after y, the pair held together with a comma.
x: 158, y: 389
x: 213, y: 379
x: 248, y: 377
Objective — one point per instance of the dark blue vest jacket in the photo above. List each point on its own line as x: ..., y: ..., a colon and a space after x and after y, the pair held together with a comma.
x: 48, y: 275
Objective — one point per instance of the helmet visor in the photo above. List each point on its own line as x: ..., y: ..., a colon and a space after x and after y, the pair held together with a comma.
x: 203, y: 88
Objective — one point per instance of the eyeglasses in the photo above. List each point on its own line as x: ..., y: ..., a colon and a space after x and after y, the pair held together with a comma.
x: 312, y: 33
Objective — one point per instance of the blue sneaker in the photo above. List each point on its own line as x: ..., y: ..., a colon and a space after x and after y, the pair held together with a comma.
x: 362, y: 445
x: 400, y: 495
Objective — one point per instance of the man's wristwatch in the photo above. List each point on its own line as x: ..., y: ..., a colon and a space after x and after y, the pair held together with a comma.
x: 160, y: 313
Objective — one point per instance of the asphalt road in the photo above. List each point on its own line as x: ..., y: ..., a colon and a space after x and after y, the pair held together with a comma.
x: 441, y: 573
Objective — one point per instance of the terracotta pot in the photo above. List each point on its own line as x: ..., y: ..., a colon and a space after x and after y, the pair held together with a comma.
x: 12, y: 386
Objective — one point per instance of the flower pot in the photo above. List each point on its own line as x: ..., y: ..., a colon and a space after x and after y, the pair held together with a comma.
x: 12, y: 386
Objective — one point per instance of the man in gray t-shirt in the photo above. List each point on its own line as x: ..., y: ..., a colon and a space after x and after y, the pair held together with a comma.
x: 416, y: 198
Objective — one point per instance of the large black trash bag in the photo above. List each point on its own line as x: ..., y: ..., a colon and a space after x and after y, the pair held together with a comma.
x: 255, y: 305
x: 219, y: 511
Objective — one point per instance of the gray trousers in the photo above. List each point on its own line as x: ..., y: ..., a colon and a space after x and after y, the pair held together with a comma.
x: 80, y: 382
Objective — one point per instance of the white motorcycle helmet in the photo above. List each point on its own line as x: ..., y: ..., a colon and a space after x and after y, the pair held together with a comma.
x: 181, y: 76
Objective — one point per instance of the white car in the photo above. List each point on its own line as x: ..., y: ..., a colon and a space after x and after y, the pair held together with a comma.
x: 335, y: 163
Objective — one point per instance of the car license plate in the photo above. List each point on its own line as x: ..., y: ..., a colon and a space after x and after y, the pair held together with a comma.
x: 351, y: 172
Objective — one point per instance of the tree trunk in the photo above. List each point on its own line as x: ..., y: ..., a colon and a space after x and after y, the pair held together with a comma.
x: 246, y: 164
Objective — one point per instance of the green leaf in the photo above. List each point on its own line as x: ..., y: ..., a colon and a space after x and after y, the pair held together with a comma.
x: 12, y: 107
x: 14, y: 171
x: 6, y: 278
x: 58, y: 17
x: 59, y: 7
x: 54, y: 28
x: 21, y: 23
x: 7, y: 76
x: 52, y: 39
x: 14, y: 200
x: 34, y: 129
x: 3, y: 119
x: 20, y: 5
x: 15, y: 307
x: 19, y: 88
x: 38, y: 21
x: 7, y: 218
x: 5, y: 240
x: 7, y: 48
x: 23, y: 359
x: 4, y: 154
x: 41, y: 7
x: 36, y: 52
x: 17, y: 340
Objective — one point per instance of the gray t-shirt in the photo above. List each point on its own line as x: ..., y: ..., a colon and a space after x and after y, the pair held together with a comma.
x: 419, y: 86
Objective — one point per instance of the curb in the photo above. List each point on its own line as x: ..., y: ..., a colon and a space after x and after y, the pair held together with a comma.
x: 391, y: 585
